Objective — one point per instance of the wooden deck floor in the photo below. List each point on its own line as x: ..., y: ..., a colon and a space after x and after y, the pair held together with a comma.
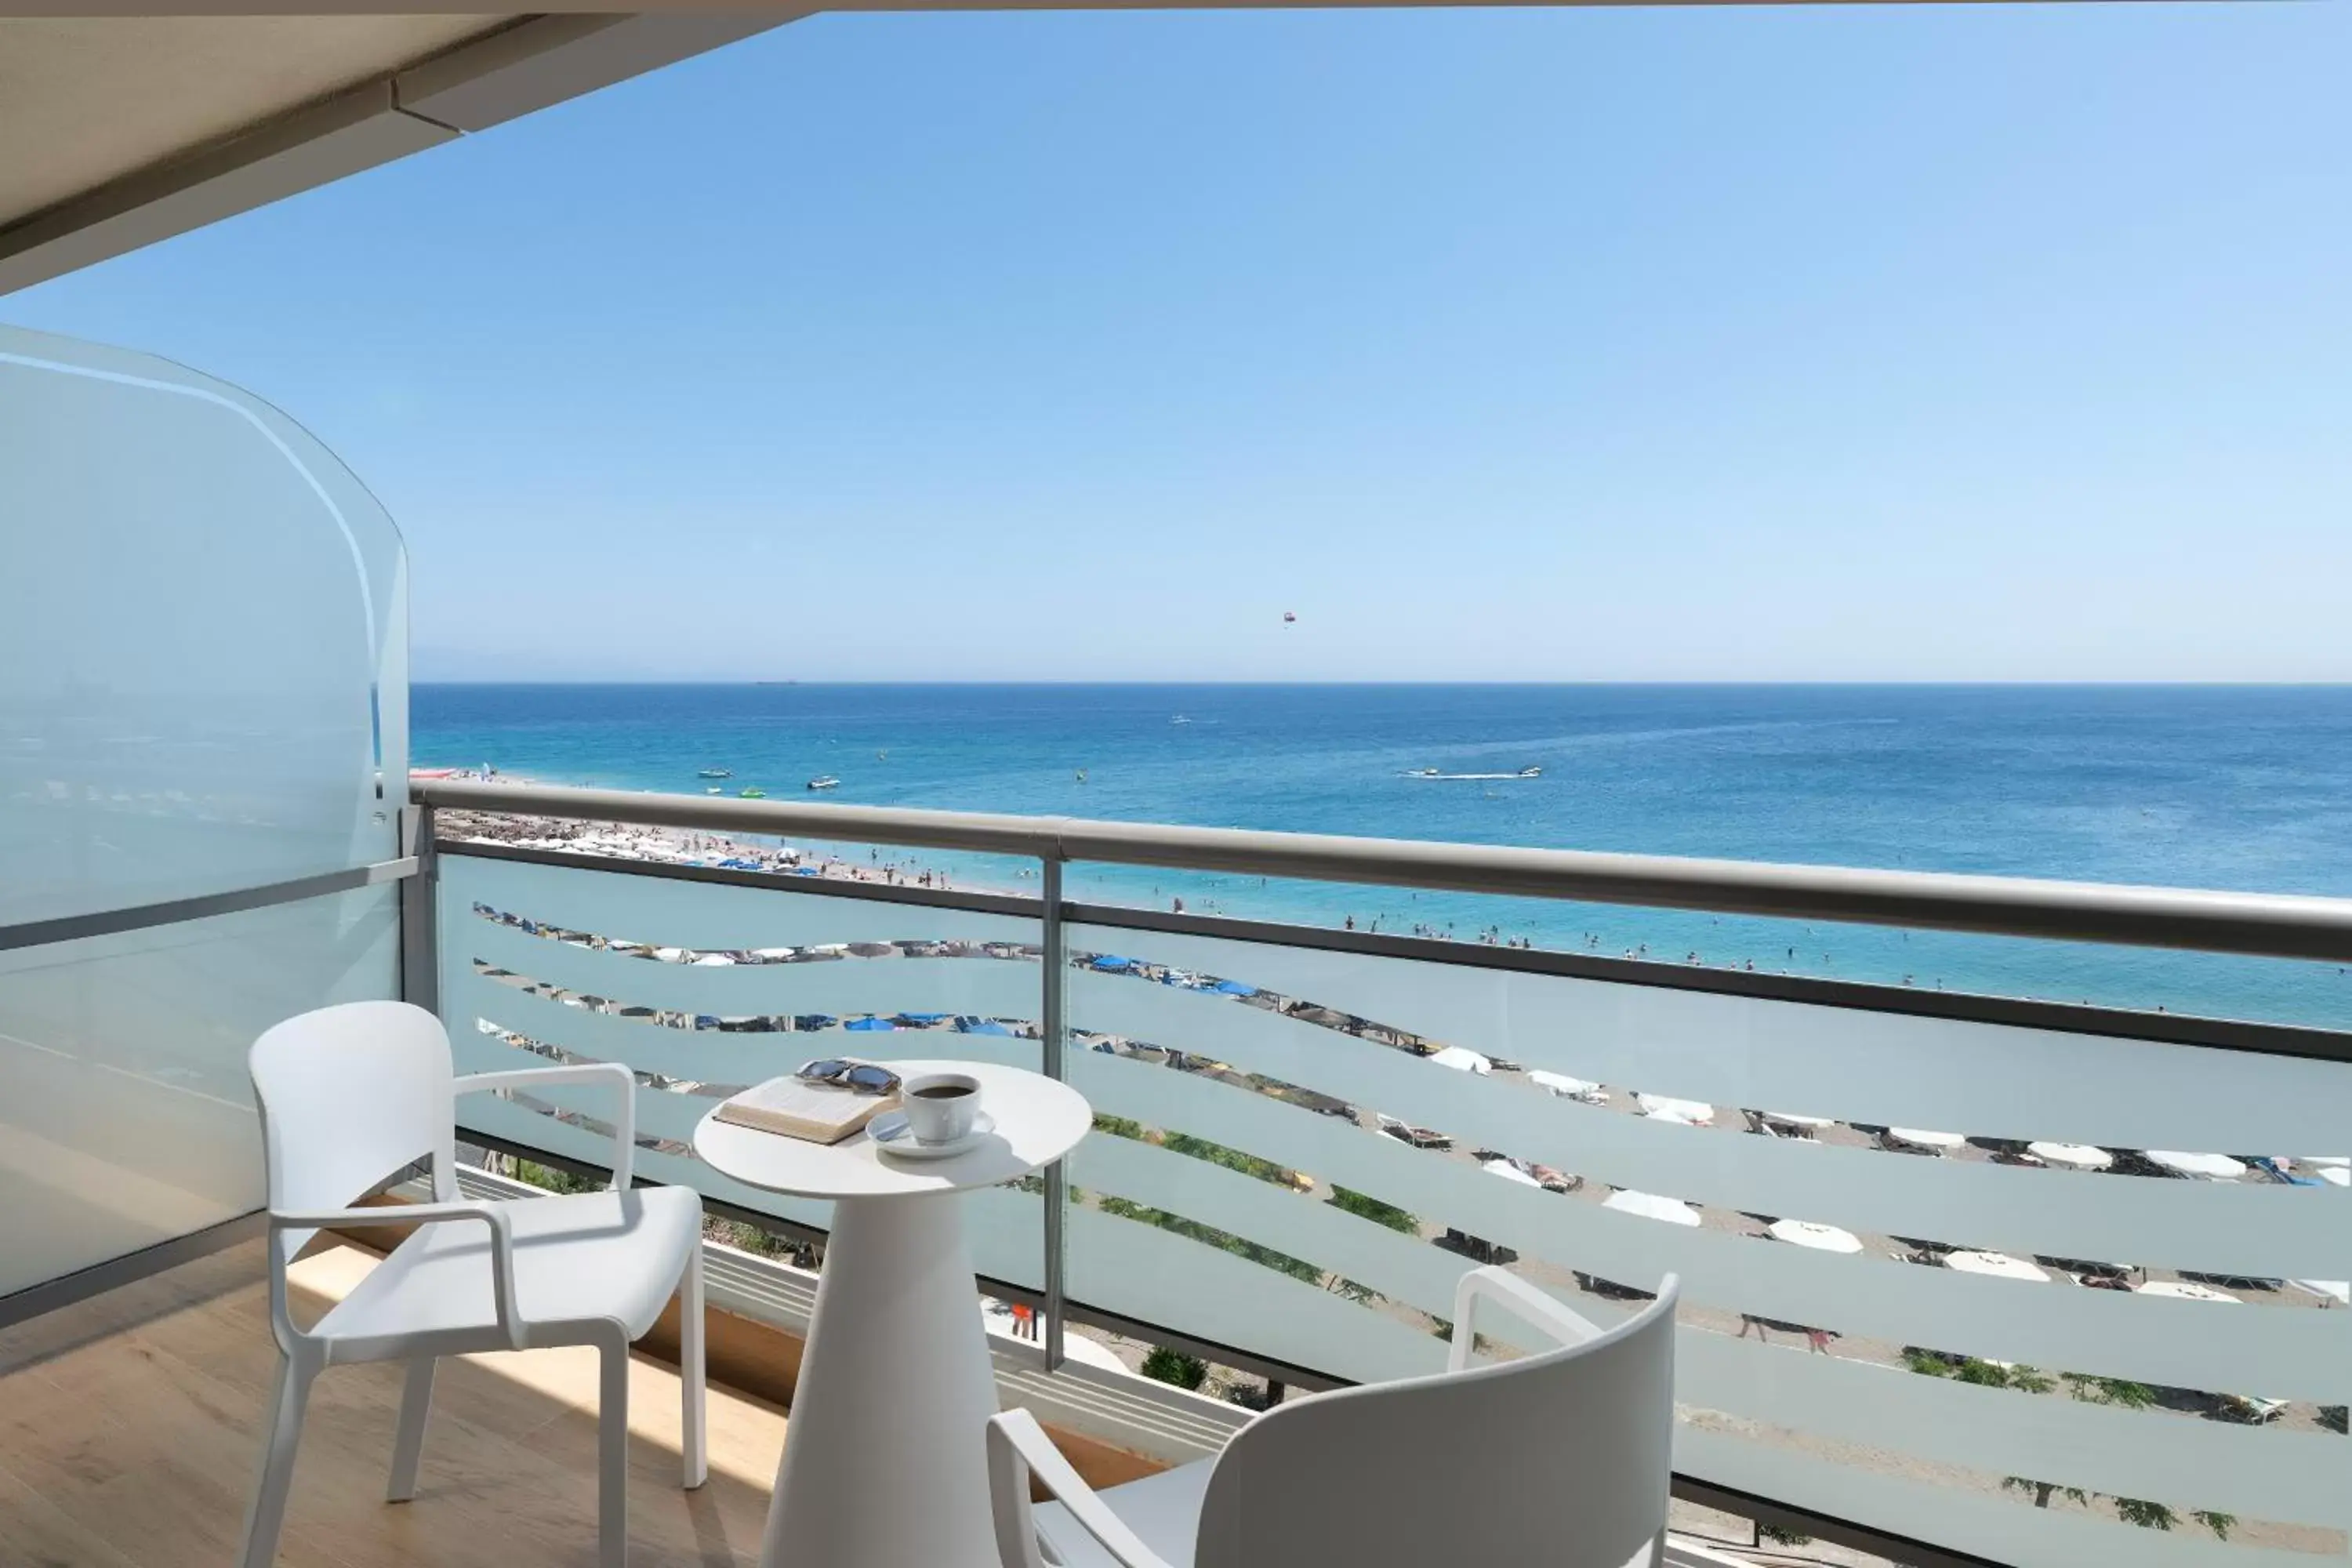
x: 129, y: 1431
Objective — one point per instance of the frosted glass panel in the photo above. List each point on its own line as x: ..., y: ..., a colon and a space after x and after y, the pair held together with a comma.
x: 703, y: 989
x: 202, y: 680
x: 128, y: 1118
x: 1932, y: 1270
x: 202, y: 689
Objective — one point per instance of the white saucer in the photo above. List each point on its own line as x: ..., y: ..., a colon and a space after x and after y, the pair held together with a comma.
x: 890, y: 1135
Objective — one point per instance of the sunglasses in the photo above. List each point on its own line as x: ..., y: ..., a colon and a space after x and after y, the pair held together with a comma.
x: 864, y: 1078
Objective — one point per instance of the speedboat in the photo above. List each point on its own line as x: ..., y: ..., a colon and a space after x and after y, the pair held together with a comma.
x: 752, y: 792
x: 716, y: 774
x: 825, y: 781
x: 714, y: 789
x: 1420, y: 773
x: 1531, y: 773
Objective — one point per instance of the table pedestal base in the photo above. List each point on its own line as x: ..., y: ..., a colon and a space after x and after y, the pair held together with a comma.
x: 885, y: 1459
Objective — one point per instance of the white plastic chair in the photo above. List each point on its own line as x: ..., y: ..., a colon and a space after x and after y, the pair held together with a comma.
x: 349, y: 1095
x: 1559, y: 1459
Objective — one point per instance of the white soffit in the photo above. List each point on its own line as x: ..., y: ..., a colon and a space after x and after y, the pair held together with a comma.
x: 117, y: 132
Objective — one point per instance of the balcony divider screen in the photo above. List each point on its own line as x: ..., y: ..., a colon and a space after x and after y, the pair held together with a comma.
x: 202, y: 692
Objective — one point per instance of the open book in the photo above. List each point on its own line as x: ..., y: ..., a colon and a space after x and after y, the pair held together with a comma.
x: 797, y: 1108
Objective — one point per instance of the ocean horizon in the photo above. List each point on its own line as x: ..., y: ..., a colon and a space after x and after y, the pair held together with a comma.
x: 2239, y: 787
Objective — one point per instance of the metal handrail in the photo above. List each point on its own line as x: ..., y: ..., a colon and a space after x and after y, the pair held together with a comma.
x: 2274, y: 925
x: 203, y: 905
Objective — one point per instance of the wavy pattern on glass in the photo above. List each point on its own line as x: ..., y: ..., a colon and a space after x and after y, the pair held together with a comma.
x: 596, y: 992
x: 2153, y: 1404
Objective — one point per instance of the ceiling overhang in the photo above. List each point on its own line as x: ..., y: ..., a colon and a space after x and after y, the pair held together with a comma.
x: 118, y: 131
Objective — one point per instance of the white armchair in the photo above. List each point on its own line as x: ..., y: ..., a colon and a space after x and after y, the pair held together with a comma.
x: 349, y: 1095
x: 1560, y: 1458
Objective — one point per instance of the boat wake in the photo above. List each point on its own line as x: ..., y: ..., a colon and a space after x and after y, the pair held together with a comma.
x: 1433, y: 773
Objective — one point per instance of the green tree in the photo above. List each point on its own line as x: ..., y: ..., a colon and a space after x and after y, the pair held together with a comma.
x: 2110, y: 1391
x: 1970, y: 1369
x: 1231, y: 1159
x: 1167, y: 1365
x: 1372, y: 1209
x: 2130, y: 1509
x: 552, y: 1179
x: 1208, y: 1236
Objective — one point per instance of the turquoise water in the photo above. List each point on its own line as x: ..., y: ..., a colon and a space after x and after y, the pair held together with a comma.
x: 2233, y: 788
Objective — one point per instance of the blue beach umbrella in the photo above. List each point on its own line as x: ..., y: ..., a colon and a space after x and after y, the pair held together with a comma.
x: 921, y: 1020
x: 1235, y: 988
x: 1113, y: 964
x: 871, y: 1026
x: 981, y: 1027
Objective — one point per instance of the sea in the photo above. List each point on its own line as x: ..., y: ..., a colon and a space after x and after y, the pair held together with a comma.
x: 2196, y: 786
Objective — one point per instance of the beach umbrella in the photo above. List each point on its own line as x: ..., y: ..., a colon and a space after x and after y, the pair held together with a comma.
x: 871, y: 1026
x: 1499, y: 1166
x: 713, y: 960
x: 1234, y: 988
x: 921, y: 1020
x: 1111, y: 963
x: 2206, y: 1167
x: 1673, y: 1211
x: 2074, y: 1156
x: 2182, y: 1290
x: 1686, y: 1112
x: 981, y: 1027
x: 1996, y: 1265
x: 1462, y: 1060
x: 1919, y: 1137
x: 1572, y: 1088
x: 1820, y: 1237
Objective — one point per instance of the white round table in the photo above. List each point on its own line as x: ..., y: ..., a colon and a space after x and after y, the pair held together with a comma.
x: 885, y: 1459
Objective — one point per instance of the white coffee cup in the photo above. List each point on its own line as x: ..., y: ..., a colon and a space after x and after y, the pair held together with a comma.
x: 940, y: 1106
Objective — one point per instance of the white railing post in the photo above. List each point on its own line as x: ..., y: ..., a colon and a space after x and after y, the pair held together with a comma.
x: 420, y: 947
x: 1054, y: 962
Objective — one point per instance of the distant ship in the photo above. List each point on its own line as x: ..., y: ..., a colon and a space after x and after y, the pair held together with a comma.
x: 1179, y: 719
x: 716, y: 774
x: 825, y: 781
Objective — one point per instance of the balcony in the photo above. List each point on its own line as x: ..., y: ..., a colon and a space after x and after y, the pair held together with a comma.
x: 1956, y: 1267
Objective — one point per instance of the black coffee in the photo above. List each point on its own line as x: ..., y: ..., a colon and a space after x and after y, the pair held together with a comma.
x: 943, y: 1091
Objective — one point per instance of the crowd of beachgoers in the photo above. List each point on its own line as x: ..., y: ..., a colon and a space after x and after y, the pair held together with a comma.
x: 682, y: 847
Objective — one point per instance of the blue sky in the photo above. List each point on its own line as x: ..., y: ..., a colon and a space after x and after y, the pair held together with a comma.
x: 1901, y: 343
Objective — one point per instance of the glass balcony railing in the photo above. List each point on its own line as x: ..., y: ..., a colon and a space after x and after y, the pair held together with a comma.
x: 1953, y: 1272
